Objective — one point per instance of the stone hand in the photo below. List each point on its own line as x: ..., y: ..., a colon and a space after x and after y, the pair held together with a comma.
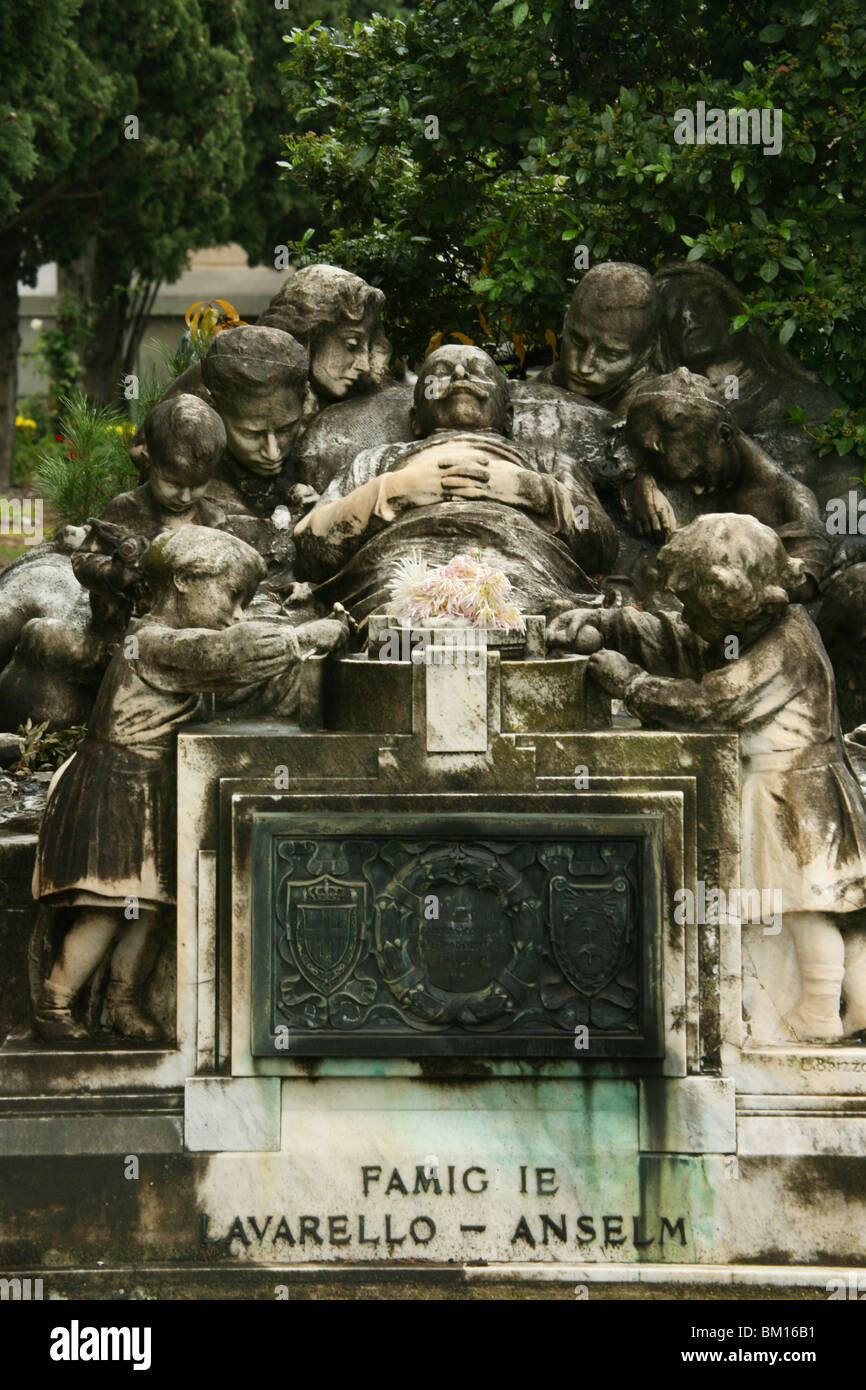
x: 497, y: 480
x: 256, y: 650
x: 125, y: 578
x: 417, y: 485
x: 578, y: 629
x: 650, y: 511
x: 326, y: 634
x: 302, y: 497
x: 613, y: 671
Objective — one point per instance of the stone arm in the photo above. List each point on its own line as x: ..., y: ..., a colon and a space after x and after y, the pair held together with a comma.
x: 328, y: 536
x: 107, y: 578
x: 593, y: 539
x: 100, y: 574
x: 463, y: 467
x: 108, y: 563
x: 646, y: 508
x: 661, y: 643
x: 769, y: 493
x: 726, y: 698
x: 199, y: 659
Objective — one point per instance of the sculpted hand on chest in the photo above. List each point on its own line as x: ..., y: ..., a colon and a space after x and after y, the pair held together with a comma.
x: 462, y: 407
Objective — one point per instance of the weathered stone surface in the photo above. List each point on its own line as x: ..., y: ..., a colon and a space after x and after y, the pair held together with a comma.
x: 456, y: 702
x: 760, y: 383
x: 242, y: 1113
x: 10, y: 748
x: 692, y: 1115
x: 610, y: 337
x: 743, y: 656
x: 463, y: 487
x: 713, y: 1093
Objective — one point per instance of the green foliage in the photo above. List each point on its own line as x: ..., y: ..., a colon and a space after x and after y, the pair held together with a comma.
x: 182, y: 68
x: 843, y: 432
x: 74, y: 188
x: 34, y: 436
x: 200, y: 76
x: 556, y: 130
x: 94, y: 465
x: 58, y: 351
x: 43, y: 750
x: 175, y: 360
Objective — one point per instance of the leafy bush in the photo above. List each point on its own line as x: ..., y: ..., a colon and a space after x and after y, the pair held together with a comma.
x: 466, y: 151
x: 43, y: 750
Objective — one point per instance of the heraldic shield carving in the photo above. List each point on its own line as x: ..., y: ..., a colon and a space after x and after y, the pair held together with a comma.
x: 589, y: 929
x: 324, y: 919
x: 482, y: 935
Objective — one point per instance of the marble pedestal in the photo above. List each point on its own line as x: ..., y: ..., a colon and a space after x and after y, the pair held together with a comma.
x: 720, y: 1152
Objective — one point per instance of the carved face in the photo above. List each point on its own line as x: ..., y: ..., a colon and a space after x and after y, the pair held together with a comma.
x: 598, y: 355
x: 261, y: 431
x: 716, y: 601
x: 340, y: 358
x: 208, y: 601
x: 697, y: 322
x: 728, y: 570
x: 684, y: 443
x: 461, y: 388
x: 175, y: 488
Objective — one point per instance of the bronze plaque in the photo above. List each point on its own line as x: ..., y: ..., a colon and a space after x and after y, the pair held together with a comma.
x: 490, y: 934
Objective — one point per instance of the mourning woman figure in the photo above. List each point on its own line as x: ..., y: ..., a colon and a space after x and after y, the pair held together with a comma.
x: 759, y: 385
x: 683, y: 438
x: 336, y: 316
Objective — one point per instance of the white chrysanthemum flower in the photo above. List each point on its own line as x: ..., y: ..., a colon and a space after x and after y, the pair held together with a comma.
x: 406, y: 575
x: 465, y: 590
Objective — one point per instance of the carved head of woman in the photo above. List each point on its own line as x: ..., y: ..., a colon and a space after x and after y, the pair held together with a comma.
x: 682, y: 432
x: 336, y: 316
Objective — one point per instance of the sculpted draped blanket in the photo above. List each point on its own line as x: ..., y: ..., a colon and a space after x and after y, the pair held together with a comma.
x: 353, y: 538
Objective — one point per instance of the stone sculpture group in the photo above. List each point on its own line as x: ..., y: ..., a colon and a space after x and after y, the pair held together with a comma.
x: 649, y: 495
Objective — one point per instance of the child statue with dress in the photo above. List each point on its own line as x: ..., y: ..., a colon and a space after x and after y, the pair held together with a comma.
x: 743, y: 658
x: 108, y: 839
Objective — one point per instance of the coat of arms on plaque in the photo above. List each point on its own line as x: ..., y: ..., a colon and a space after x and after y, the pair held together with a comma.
x: 589, y: 929
x: 324, y: 925
x: 403, y: 940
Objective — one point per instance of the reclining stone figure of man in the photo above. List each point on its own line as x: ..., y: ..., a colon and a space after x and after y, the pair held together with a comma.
x: 462, y: 484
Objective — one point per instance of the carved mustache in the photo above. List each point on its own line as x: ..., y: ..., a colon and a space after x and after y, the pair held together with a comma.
x: 477, y: 388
